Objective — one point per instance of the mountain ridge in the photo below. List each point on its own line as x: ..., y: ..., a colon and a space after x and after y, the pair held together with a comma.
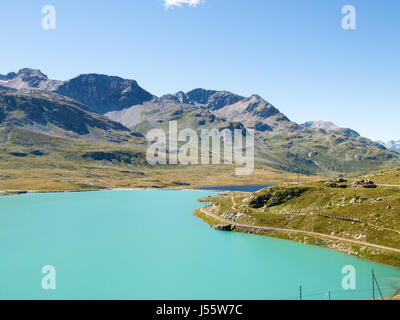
x: 48, y: 112
x: 109, y: 95
x: 106, y: 94
x: 311, y: 148
x: 121, y: 93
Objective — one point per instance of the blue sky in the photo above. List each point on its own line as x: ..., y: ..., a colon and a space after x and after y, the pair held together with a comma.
x: 294, y: 53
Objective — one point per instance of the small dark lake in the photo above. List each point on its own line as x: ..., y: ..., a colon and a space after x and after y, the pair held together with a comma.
x: 250, y: 188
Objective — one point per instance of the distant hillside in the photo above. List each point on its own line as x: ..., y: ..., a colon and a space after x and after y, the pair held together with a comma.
x: 312, y: 148
x: 393, y: 145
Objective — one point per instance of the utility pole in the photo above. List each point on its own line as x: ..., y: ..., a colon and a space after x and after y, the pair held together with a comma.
x: 301, y: 295
x: 373, y: 285
x: 374, y: 280
x: 329, y: 295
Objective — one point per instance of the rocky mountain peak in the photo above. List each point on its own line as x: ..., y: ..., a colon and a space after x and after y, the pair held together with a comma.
x: 100, y: 92
x: 211, y: 99
x: 200, y: 95
x: 329, y: 126
x: 183, y: 98
x: 321, y: 124
x: 256, y: 97
x: 28, y: 73
x: 8, y: 76
x: 28, y: 78
x: 104, y: 93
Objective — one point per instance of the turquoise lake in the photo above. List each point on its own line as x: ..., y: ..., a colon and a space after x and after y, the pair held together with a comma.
x: 148, y: 245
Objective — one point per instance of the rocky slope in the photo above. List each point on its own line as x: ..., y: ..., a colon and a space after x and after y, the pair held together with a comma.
x: 253, y: 112
x: 319, y: 147
x: 106, y: 94
x: 51, y: 113
x: 29, y: 79
x: 102, y: 93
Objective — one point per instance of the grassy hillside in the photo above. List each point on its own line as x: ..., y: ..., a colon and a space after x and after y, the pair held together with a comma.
x: 280, y: 143
x: 387, y: 177
x: 37, y: 161
x: 340, y: 153
x: 346, y: 209
x: 331, y: 154
x: 47, y: 112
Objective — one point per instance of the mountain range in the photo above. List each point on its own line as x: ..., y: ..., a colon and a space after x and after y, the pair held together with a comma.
x: 94, y: 107
x: 392, y: 145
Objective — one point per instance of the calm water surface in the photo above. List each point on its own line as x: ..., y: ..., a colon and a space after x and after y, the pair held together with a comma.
x: 148, y: 245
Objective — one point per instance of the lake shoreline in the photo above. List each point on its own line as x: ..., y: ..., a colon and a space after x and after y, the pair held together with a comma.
x: 322, y: 241
x: 215, y: 224
x: 4, y: 193
x: 129, y: 217
x: 208, y: 188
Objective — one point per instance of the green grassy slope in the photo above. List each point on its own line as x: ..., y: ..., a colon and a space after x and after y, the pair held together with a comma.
x: 37, y: 161
x: 348, y: 211
x: 332, y: 154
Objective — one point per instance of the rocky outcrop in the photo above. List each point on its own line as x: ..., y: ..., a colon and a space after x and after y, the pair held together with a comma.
x: 275, y: 196
x: 104, y: 93
x: 225, y: 227
x: 211, y: 99
x: 337, y: 183
x: 116, y: 156
x: 368, y: 184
